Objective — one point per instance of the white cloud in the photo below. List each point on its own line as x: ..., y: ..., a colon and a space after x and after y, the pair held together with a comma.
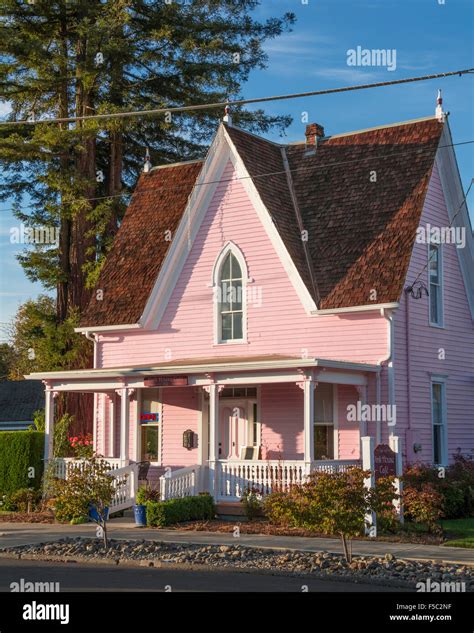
x: 5, y: 108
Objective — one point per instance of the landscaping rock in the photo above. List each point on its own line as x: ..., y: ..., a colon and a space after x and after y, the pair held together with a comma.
x: 156, y: 554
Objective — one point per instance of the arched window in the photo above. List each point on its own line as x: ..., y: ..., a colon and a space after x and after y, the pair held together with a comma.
x: 230, y: 278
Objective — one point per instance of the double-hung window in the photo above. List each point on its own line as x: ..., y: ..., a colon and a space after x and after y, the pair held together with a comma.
x: 230, y: 300
x: 324, y: 421
x: 438, y: 418
x: 150, y: 426
x: 436, y: 284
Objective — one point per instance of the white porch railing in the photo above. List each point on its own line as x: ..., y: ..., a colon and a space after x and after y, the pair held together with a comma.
x: 63, y: 465
x: 183, y: 482
x: 334, y: 465
x: 125, y: 479
x: 234, y: 477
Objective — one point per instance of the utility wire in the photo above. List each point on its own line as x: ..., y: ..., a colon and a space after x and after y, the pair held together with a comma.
x: 464, y: 200
x: 208, y: 106
x: 252, y: 177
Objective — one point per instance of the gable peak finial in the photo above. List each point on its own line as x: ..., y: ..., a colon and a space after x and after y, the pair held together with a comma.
x: 439, y: 113
x: 147, y: 166
x: 227, y: 117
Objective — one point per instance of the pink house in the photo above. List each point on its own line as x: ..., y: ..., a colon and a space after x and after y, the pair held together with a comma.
x: 263, y: 309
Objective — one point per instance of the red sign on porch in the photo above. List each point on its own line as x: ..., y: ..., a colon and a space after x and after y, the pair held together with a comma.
x: 149, y: 417
x: 166, y: 381
x: 384, y: 461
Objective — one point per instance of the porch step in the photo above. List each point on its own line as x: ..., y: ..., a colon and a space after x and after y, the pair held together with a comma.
x: 229, y: 509
x: 232, y: 511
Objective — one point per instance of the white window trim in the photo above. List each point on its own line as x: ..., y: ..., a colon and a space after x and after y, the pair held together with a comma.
x: 215, y: 284
x: 138, y: 436
x: 440, y: 380
x: 335, y: 420
x: 440, y: 324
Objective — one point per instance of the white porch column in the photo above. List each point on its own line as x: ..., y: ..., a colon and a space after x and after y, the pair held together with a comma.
x: 49, y: 426
x: 369, y: 482
x: 308, y: 390
x: 363, y: 431
x: 395, y: 444
x: 124, y: 424
x: 213, y: 391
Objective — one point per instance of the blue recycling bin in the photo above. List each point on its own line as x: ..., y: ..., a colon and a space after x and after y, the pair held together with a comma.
x: 93, y: 515
x: 140, y: 515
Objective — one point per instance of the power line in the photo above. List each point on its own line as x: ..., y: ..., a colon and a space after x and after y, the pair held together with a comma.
x: 252, y: 177
x: 465, y: 195
x: 208, y: 106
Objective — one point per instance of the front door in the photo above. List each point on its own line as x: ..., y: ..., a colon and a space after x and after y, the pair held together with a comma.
x: 233, y: 429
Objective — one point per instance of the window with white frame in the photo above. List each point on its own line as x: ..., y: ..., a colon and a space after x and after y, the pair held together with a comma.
x: 230, y: 300
x: 438, y: 417
x: 436, y: 284
x: 150, y: 426
x: 324, y: 421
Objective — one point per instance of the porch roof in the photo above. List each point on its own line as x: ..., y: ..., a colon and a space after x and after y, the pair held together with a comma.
x: 206, y: 366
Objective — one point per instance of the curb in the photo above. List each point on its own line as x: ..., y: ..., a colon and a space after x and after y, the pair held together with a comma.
x: 160, y: 564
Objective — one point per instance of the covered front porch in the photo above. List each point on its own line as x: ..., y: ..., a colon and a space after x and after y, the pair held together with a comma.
x: 220, y: 425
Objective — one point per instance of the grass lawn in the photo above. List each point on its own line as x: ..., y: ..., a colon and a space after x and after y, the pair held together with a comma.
x: 460, y: 532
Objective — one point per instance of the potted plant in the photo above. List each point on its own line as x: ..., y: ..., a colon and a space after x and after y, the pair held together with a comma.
x: 144, y: 494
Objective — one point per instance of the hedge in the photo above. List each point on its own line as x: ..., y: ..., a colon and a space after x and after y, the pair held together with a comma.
x: 162, y: 513
x: 21, y: 455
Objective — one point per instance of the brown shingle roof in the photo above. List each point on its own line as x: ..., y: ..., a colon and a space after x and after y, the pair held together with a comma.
x: 360, y: 233
x: 135, y: 259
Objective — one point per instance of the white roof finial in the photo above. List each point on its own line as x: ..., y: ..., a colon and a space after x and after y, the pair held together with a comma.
x: 147, y: 166
x: 440, y: 115
x: 227, y: 118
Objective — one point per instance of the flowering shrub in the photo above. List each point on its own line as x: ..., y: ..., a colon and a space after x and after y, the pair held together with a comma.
x: 82, y: 445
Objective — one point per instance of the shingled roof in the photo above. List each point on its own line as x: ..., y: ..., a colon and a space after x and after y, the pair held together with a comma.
x: 19, y: 399
x: 141, y: 244
x: 361, y: 227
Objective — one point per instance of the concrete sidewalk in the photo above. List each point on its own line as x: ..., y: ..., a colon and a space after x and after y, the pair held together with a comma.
x: 12, y: 534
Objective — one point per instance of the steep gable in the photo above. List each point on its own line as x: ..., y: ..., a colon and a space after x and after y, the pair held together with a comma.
x: 358, y: 196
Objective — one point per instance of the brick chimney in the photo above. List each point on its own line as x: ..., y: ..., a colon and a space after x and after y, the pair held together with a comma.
x: 314, y: 131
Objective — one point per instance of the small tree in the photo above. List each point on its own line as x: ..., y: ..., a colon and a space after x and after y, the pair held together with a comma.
x: 90, y: 486
x: 337, y: 504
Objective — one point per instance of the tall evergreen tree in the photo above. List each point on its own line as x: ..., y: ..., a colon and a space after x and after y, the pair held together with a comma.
x: 80, y: 57
x: 73, y: 58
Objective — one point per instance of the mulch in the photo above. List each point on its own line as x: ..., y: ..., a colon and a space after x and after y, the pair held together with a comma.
x: 260, y: 526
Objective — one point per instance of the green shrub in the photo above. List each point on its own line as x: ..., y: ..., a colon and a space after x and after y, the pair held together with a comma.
x: 22, y: 500
x: 281, y: 508
x: 21, y: 460
x: 163, y: 513
x: 252, y: 503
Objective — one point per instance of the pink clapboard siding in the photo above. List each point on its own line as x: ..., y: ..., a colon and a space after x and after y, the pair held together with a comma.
x: 276, y: 324
x: 181, y: 411
x: 412, y: 379
x: 281, y: 416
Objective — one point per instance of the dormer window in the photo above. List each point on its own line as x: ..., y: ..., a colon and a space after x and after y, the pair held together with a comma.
x: 230, y: 277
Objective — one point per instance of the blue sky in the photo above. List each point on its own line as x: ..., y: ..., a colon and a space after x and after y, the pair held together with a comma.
x: 428, y: 37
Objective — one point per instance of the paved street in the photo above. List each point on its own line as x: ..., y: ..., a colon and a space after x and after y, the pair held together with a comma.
x: 74, y: 577
x: 23, y: 533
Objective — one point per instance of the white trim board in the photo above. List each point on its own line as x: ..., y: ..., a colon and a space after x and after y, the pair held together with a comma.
x: 451, y: 185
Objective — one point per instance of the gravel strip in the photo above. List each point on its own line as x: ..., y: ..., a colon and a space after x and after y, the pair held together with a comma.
x: 388, y: 570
